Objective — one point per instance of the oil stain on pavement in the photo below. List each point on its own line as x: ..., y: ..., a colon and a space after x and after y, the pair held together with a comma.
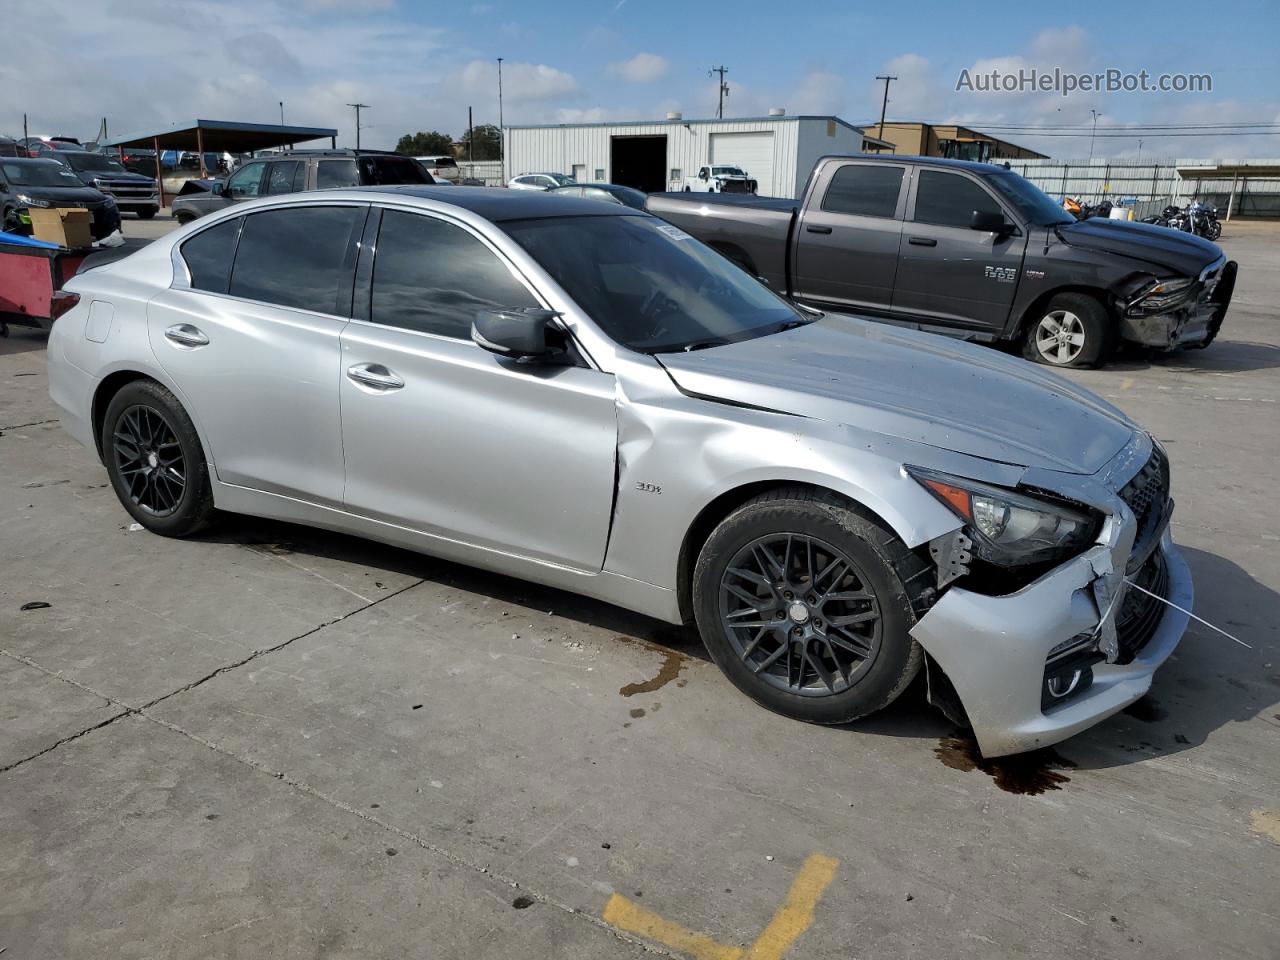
x: 1029, y: 774
x: 672, y: 663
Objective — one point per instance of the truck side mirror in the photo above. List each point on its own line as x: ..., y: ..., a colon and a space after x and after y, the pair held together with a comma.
x: 989, y: 221
x: 217, y: 189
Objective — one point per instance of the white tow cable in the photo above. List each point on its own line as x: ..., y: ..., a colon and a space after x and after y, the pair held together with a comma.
x: 1188, y: 613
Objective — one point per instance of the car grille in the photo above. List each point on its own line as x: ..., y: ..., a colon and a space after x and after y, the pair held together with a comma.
x: 1140, y: 612
x: 1147, y: 495
x: 126, y: 189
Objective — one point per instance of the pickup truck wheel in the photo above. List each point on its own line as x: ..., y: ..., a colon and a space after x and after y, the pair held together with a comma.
x: 806, y: 605
x: 146, y: 213
x: 1072, y: 331
x: 155, y: 462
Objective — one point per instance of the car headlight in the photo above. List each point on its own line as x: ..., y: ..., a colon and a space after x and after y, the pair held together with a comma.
x: 1165, y: 294
x: 1008, y: 528
x: 33, y: 201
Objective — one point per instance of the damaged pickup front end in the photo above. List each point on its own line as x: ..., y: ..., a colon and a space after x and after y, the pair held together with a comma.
x: 1076, y: 640
x: 1178, y: 311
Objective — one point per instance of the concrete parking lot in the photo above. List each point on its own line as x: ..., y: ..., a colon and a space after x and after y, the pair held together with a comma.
x: 276, y: 742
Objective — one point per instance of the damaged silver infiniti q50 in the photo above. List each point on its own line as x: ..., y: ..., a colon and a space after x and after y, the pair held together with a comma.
x: 582, y: 395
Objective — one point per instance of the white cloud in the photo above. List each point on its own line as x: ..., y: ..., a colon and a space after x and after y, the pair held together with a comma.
x: 521, y: 82
x: 642, y: 68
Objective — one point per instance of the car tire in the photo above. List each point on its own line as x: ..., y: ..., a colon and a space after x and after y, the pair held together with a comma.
x: 800, y: 662
x: 154, y: 459
x: 184, y: 218
x: 1213, y: 231
x: 1073, y: 330
x: 146, y: 213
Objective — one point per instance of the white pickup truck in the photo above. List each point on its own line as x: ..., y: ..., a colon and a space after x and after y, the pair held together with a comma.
x: 720, y: 179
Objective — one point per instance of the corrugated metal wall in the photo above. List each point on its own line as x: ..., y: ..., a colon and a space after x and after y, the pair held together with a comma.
x: 557, y: 149
x: 820, y: 136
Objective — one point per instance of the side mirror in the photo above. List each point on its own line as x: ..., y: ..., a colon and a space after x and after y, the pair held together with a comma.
x: 217, y: 189
x: 702, y: 174
x: 989, y: 221
x: 519, y: 333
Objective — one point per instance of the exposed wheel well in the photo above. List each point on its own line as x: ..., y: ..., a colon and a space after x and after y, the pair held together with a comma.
x: 1034, y: 311
x: 108, y: 388
x: 714, y: 512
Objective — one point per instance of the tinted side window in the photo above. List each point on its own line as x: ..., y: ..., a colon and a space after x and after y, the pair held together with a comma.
x: 337, y: 173
x: 245, y: 181
x: 208, y: 256
x: 392, y: 170
x: 864, y: 190
x: 431, y: 276
x: 299, y: 257
x: 950, y: 200
x: 282, y: 175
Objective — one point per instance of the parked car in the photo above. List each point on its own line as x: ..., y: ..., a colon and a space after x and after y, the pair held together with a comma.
x: 539, y: 181
x: 720, y: 179
x: 296, y: 171
x: 972, y: 250
x: 138, y: 160
x: 46, y: 146
x: 27, y: 183
x: 609, y: 192
x: 10, y: 148
x: 446, y: 168
x: 599, y: 402
x: 133, y: 192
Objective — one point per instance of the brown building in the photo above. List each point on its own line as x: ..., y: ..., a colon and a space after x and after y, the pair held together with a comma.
x: 948, y: 140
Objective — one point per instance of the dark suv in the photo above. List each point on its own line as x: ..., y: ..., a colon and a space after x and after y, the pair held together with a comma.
x: 134, y: 192
x: 27, y: 183
x: 294, y: 172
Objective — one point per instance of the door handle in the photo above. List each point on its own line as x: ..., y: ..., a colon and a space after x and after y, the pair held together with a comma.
x: 374, y: 375
x: 816, y: 229
x: 185, y: 335
x: 922, y: 241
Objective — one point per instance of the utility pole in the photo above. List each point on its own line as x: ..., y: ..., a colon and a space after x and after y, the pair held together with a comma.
x: 1139, y: 150
x: 502, y: 131
x: 358, y: 107
x: 471, y: 141
x: 25, y: 136
x: 723, y: 89
x: 884, y: 104
x: 1096, y: 115
x: 282, y: 113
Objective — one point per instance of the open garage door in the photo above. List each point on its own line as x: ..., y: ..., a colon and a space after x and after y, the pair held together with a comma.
x: 639, y: 162
x: 753, y: 152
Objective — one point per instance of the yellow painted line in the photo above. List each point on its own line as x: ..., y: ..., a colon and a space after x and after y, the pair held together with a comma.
x: 625, y: 915
x: 793, y: 918
x: 796, y: 914
x: 1126, y: 383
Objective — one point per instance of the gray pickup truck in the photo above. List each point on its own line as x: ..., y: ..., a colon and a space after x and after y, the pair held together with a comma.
x: 972, y: 250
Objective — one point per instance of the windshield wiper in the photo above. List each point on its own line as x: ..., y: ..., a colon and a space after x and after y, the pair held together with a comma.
x: 701, y: 345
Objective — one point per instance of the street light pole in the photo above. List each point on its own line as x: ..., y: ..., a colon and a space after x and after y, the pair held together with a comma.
x: 358, y: 108
x: 1093, y: 135
x: 502, y: 131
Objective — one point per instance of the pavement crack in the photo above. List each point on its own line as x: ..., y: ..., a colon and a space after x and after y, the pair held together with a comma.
x: 75, y: 736
x: 262, y: 652
x: 33, y: 423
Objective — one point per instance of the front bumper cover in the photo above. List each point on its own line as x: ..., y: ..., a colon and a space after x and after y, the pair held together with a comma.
x: 994, y: 650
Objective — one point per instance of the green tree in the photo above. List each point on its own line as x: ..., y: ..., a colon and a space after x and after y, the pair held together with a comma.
x: 488, y: 143
x: 433, y: 144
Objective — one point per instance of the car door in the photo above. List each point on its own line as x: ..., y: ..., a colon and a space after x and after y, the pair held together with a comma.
x: 445, y: 438
x: 250, y: 336
x: 948, y: 272
x: 848, y: 236
x: 245, y: 183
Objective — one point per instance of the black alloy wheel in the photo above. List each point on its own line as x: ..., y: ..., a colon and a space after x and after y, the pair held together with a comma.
x: 149, y: 458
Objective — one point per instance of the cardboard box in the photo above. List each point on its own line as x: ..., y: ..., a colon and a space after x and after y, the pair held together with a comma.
x: 66, y: 226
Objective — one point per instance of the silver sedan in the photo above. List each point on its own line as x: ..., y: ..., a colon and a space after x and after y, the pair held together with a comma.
x: 582, y: 395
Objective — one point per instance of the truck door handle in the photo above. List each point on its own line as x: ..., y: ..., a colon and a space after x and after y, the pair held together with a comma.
x: 922, y: 241
x: 186, y: 335
x: 374, y: 375
x: 818, y: 229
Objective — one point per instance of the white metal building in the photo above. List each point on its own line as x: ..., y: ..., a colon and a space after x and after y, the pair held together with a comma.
x: 777, y: 151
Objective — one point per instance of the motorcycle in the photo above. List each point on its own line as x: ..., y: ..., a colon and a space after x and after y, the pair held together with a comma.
x: 1083, y: 211
x: 1198, y: 218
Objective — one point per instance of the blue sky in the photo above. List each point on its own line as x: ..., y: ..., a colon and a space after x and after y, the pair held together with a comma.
x: 150, y: 62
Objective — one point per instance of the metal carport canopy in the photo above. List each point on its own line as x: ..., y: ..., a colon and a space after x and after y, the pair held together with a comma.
x: 218, y: 136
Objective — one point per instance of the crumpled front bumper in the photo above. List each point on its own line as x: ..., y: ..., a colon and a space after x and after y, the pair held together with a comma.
x: 994, y: 650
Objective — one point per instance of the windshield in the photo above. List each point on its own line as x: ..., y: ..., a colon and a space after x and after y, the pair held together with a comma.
x: 650, y: 286
x: 727, y: 172
x: 92, y: 163
x: 1032, y: 203
x: 41, y: 173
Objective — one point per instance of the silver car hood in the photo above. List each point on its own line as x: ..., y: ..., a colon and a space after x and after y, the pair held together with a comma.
x: 920, y: 387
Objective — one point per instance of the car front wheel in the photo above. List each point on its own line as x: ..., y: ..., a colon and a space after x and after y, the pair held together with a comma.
x: 155, y: 462
x: 1073, y: 330
x: 805, y: 604
x: 146, y: 213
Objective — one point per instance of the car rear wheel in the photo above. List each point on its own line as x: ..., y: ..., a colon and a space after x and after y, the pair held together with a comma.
x: 146, y: 213
x: 155, y: 462
x: 1073, y: 330
x: 805, y: 604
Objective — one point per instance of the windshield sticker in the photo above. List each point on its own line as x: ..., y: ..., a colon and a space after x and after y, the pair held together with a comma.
x: 675, y: 233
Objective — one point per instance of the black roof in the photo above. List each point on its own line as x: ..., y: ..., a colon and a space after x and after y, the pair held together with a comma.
x: 499, y: 203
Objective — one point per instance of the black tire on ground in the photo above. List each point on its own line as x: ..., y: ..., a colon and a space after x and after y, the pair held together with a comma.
x: 688, y: 189
x: 146, y: 213
x: 184, y: 218
x: 880, y: 567
x: 1071, y: 330
x: 170, y: 493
